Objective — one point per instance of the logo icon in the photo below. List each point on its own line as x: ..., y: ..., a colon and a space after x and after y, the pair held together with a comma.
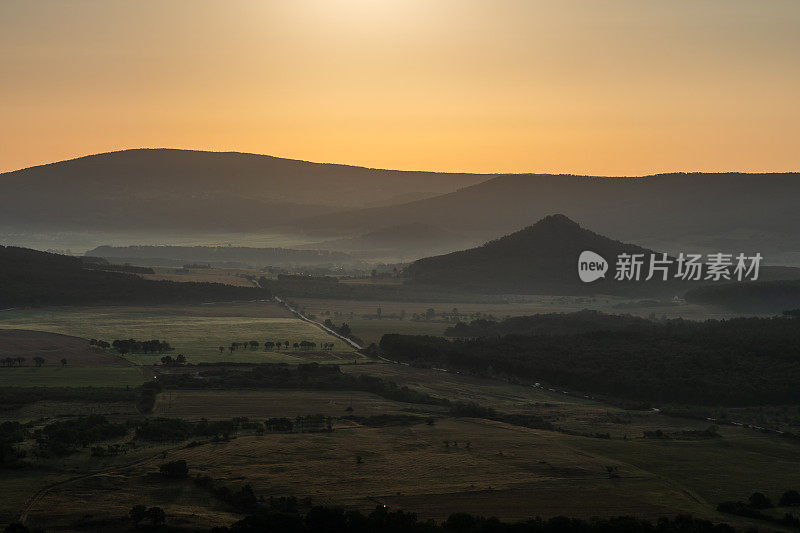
x: 591, y: 266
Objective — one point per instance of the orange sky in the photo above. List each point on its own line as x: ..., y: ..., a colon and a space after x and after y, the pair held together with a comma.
x: 613, y: 87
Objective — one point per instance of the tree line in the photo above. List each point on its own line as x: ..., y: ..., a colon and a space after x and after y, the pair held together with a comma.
x: 304, y: 345
x: 738, y: 362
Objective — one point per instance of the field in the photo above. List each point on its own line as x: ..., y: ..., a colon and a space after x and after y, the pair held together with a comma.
x: 228, y: 276
x: 482, y: 466
x: 434, y: 465
x: 71, y: 376
x: 362, y: 316
x: 217, y: 405
x: 194, y: 331
x: 53, y: 347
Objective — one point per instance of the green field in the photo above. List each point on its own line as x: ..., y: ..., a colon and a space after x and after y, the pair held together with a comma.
x: 361, y: 315
x: 71, y: 376
x: 194, y: 331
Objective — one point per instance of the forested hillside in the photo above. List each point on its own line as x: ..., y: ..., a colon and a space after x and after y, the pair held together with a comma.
x: 747, y: 361
x: 30, y: 277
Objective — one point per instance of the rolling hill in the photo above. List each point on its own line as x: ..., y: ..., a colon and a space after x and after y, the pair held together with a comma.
x: 703, y: 213
x: 152, y: 188
x: 543, y: 259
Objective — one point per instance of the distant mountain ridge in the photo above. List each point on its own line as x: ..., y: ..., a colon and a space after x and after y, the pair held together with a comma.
x: 201, y: 190
x: 700, y: 212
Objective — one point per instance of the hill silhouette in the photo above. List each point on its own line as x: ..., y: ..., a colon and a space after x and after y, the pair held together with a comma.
x: 704, y: 213
x: 29, y: 277
x: 543, y: 259
x: 201, y: 190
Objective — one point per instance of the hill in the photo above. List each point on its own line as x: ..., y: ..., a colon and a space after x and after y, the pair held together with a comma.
x: 543, y: 259
x: 152, y: 188
x: 29, y: 277
x: 697, y: 212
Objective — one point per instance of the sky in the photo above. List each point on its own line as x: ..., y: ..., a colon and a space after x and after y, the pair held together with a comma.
x: 615, y: 87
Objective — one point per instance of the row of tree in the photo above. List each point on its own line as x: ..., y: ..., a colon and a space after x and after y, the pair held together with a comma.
x: 38, y: 361
x: 276, y: 345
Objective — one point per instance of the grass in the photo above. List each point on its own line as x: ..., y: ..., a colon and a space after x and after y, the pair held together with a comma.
x: 194, y: 331
x: 71, y: 376
x: 509, y: 472
x: 362, y: 315
x: 506, y: 471
x: 262, y: 404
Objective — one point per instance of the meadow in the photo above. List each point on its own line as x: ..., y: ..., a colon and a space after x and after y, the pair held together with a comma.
x: 197, y: 332
x: 434, y: 465
x: 362, y: 317
x: 71, y: 376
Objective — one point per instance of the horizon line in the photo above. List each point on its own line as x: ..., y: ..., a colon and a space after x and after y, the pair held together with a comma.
x: 487, y: 174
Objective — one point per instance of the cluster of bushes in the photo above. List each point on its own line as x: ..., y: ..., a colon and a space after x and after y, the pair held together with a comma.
x: 12, y: 433
x: 109, y: 450
x: 146, y: 397
x: 745, y: 361
x: 301, y: 424
x: 177, y: 429
x: 174, y: 469
x: 243, y: 499
x: 758, y: 502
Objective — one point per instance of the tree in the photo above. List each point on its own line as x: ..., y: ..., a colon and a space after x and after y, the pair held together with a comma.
x: 380, y: 313
x: 759, y: 501
x: 156, y: 515
x: 180, y: 358
x: 138, y: 513
x: 430, y: 314
x: 174, y: 469
x: 790, y: 498
x: 64, y: 362
x: 253, y: 345
x: 38, y: 360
